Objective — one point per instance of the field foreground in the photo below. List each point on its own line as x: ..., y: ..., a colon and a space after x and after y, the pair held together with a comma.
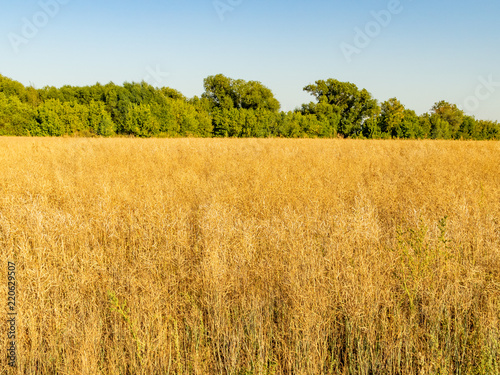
x: 222, y: 256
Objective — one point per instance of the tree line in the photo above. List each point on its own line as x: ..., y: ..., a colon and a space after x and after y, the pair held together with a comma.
x: 228, y: 108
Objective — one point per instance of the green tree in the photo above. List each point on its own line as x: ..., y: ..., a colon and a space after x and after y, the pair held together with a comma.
x: 352, y: 106
x: 392, y: 117
x: 191, y: 120
x: 168, y: 92
x: 99, y: 120
x: 398, y: 122
x: 288, y: 125
x: 468, y: 128
x: 327, y: 117
x: 440, y: 129
x: 48, y: 119
x: 9, y: 87
x: 226, y: 93
x: 221, y: 92
x: 451, y: 114
x: 165, y: 116
x: 488, y: 129
x: 372, y: 130
x: 16, y: 117
x: 411, y: 125
x: 226, y: 122
x: 74, y: 118
x: 141, y: 122
x: 254, y: 95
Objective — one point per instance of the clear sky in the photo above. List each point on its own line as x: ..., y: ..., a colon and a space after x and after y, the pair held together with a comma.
x: 419, y: 51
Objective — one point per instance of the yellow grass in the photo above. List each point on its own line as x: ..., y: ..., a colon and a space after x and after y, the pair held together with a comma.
x: 252, y: 256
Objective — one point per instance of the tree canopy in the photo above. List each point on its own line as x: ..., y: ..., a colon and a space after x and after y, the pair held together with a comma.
x: 227, y: 108
x: 352, y: 105
x: 227, y: 93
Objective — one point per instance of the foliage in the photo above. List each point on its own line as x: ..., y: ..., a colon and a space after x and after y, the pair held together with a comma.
x: 15, y: 116
x: 398, y: 122
x: 227, y: 108
x: 226, y: 93
x: 352, y: 105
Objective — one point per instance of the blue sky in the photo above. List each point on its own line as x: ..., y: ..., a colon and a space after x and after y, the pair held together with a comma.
x: 419, y: 51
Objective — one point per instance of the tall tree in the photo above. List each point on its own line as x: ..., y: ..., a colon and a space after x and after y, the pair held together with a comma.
x: 451, y: 114
x: 397, y: 121
x: 226, y: 93
x: 221, y: 92
x: 254, y: 95
x: 353, y: 106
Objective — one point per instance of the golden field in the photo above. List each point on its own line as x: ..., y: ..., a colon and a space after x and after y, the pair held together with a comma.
x: 270, y: 256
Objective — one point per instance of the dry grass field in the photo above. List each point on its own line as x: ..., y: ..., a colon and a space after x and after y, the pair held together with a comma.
x: 271, y: 256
